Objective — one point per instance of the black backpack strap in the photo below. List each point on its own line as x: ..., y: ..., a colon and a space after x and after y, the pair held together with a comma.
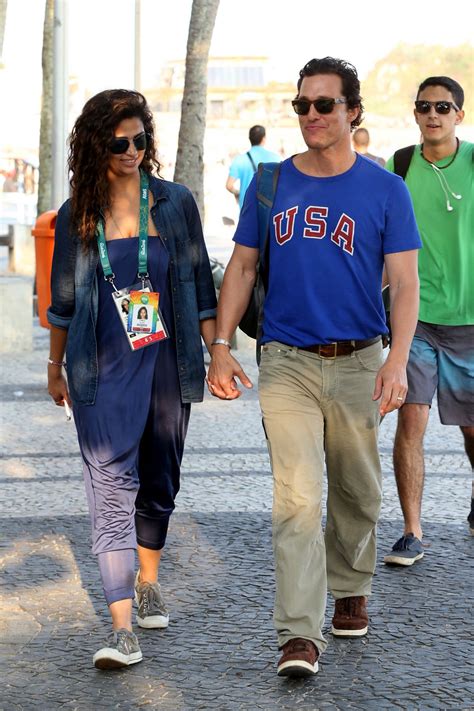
x: 267, y: 181
x: 402, y: 159
x: 252, y: 161
x: 401, y: 163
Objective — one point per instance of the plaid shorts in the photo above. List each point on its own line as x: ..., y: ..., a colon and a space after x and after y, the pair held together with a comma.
x: 442, y: 358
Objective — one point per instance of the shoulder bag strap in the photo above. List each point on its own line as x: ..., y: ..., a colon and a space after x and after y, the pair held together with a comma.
x: 252, y: 161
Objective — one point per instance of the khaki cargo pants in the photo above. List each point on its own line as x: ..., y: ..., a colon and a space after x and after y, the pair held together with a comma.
x: 316, y: 412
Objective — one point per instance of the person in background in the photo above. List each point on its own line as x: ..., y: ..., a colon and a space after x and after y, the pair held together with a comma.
x: 439, y: 174
x: 131, y: 407
x: 244, y: 166
x: 9, y: 184
x: 360, y: 143
x: 323, y: 384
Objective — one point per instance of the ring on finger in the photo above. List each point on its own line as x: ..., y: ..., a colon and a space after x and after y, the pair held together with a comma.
x: 399, y: 398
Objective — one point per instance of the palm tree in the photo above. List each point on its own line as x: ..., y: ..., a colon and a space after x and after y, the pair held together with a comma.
x: 189, y: 167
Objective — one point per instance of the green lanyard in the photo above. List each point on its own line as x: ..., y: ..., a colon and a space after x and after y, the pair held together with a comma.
x: 142, y: 239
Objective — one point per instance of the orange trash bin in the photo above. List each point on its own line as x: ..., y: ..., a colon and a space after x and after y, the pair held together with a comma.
x: 43, y: 232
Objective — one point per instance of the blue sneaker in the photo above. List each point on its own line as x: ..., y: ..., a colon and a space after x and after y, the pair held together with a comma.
x: 406, y: 551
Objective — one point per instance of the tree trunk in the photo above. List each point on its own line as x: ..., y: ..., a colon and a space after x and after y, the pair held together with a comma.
x: 189, y: 159
x: 3, y: 20
x: 46, y: 130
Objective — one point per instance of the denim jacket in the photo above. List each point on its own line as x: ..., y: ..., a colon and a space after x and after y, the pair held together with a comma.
x: 75, y: 302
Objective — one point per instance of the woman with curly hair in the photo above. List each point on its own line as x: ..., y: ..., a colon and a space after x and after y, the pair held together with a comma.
x: 125, y: 231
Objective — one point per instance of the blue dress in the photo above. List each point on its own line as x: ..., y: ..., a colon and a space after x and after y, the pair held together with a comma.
x: 132, y: 438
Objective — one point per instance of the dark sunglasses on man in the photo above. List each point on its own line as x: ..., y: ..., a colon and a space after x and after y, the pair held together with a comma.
x: 121, y: 145
x: 441, y: 107
x: 322, y: 106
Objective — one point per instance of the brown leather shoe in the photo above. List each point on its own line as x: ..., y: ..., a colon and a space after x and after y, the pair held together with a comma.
x: 350, y: 617
x: 299, y: 658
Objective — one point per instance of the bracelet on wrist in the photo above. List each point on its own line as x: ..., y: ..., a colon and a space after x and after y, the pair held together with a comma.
x: 59, y: 364
x: 221, y: 342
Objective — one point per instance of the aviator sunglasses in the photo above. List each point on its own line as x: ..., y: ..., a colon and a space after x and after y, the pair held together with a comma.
x: 121, y: 145
x: 322, y: 106
x: 441, y: 107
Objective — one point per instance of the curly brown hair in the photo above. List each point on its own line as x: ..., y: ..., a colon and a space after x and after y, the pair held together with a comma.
x: 88, y: 156
x: 349, y: 78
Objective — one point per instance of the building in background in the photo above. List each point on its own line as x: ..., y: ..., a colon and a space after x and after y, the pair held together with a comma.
x: 240, y: 91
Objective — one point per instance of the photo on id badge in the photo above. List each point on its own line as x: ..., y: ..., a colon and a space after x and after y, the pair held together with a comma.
x: 141, y: 320
x: 143, y: 311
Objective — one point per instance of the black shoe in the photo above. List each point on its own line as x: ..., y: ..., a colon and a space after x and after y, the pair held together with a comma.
x: 406, y: 551
x: 470, y: 518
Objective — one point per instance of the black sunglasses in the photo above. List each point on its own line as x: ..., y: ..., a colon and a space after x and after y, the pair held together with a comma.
x: 121, y: 145
x: 322, y: 106
x: 441, y: 107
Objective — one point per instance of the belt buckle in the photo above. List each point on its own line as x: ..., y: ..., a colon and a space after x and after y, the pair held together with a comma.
x: 329, y: 357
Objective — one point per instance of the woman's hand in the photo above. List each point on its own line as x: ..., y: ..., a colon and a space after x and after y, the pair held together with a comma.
x: 57, y: 386
x: 223, y: 370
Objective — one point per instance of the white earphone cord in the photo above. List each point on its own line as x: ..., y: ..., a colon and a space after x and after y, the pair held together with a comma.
x: 445, y: 187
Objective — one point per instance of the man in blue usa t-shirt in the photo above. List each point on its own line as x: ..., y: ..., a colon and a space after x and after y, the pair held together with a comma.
x: 337, y: 219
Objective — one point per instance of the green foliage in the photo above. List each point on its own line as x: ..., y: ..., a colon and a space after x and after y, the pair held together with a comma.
x: 391, y: 86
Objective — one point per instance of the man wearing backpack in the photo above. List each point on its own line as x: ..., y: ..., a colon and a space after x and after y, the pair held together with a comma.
x: 439, y: 175
x: 244, y: 166
x: 336, y: 218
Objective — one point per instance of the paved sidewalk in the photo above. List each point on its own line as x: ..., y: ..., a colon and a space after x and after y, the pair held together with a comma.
x: 219, y: 651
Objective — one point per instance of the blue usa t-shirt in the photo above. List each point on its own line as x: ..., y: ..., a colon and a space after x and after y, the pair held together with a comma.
x: 328, y: 238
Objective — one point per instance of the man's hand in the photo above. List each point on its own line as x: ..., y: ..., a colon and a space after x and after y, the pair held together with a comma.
x: 402, y: 275
x: 391, y: 385
x: 223, y: 371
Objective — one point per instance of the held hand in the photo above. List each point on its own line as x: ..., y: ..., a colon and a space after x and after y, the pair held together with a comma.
x: 57, y: 387
x: 223, y: 371
x: 391, y: 386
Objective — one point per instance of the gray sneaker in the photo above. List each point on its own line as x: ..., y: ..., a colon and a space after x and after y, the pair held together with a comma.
x: 121, y: 650
x: 406, y: 551
x: 152, y: 613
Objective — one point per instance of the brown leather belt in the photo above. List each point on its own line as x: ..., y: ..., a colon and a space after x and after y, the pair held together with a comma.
x: 339, y: 348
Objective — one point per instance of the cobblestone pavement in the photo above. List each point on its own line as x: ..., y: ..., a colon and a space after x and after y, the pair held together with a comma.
x: 219, y: 651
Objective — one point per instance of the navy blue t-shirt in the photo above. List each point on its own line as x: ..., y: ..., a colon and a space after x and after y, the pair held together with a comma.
x: 328, y: 237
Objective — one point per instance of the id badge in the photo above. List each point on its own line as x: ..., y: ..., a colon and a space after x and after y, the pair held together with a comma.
x: 139, y: 312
